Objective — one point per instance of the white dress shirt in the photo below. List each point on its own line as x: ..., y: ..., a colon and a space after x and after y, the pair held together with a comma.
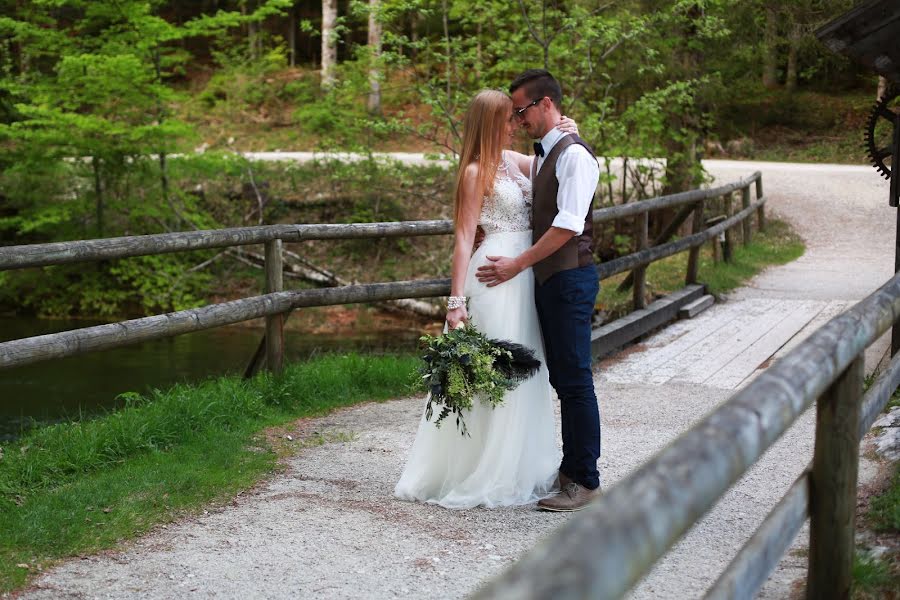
x: 578, y: 174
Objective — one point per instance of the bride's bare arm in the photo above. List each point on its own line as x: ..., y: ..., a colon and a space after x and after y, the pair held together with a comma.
x: 464, y: 237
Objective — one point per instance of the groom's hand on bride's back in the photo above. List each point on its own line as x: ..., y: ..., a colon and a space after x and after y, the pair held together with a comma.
x: 498, y: 270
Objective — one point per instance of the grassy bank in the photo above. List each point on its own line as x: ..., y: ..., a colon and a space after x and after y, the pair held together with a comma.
x: 776, y: 246
x: 80, y: 487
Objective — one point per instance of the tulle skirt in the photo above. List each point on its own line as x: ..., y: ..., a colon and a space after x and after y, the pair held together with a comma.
x: 511, y: 457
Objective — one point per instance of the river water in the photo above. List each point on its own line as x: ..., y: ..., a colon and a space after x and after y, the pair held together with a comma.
x: 87, y: 384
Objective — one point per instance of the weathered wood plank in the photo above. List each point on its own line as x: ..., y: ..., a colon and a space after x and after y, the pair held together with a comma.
x: 716, y: 352
x: 693, y: 268
x: 89, y: 339
x: 645, y: 257
x: 728, y: 246
x: 664, y: 236
x: 606, y: 339
x: 878, y: 395
x: 760, y: 212
x: 274, y: 323
x: 57, y: 253
x: 640, y: 274
x: 760, y: 555
x: 689, y: 311
x: 830, y: 311
x: 658, y: 362
x: 833, y: 504
x: 39, y: 255
x: 758, y: 352
x: 748, y: 313
x: 748, y: 224
x: 644, y: 514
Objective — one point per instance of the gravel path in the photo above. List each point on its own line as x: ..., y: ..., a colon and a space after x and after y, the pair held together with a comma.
x: 328, y: 527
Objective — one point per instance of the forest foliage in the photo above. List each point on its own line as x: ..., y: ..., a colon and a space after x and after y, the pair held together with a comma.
x: 102, y: 103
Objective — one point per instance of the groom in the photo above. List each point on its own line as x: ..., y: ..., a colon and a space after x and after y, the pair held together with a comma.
x: 564, y: 177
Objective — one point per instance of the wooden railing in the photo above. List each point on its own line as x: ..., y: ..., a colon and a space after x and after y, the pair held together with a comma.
x: 603, y: 551
x: 277, y: 302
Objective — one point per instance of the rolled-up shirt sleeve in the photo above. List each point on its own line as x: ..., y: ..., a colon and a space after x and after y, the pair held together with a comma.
x: 578, y: 173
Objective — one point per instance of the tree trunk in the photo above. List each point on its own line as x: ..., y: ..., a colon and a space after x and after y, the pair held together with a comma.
x: 770, y: 60
x: 790, y: 83
x: 98, y: 195
x: 414, y: 21
x: 329, y: 41
x: 683, y: 164
x: 445, y: 11
x: 375, y: 55
x: 292, y: 35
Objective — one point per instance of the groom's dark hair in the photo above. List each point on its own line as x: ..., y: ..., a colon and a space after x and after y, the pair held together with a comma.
x: 538, y: 83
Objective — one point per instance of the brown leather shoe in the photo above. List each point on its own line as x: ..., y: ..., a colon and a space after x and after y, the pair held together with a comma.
x: 562, y: 480
x: 572, y: 497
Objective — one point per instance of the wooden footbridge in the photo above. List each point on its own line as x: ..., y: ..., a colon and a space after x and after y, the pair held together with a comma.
x: 647, y: 512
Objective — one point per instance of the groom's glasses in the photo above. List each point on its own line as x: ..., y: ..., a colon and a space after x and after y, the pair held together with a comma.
x: 519, y: 113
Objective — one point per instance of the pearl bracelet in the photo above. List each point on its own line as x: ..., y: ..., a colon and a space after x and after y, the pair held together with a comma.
x: 454, y: 302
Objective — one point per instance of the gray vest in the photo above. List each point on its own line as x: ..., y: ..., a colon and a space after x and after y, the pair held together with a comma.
x: 578, y: 251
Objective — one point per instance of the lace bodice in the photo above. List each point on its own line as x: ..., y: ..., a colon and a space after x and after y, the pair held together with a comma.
x: 508, y: 207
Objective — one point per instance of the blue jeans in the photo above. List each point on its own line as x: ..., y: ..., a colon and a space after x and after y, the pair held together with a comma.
x: 565, y: 303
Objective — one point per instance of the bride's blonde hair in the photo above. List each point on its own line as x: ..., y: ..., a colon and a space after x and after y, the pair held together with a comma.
x: 484, y: 127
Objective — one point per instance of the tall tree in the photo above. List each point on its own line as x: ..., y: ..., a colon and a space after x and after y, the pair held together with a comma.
x: 374, y: 103
x: 770, y: 46
x: 329, y: 41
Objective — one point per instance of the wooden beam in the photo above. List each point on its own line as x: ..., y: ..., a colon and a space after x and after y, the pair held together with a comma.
x: 57, y: 253
x: 610, y: 337
x: 113, y: 335
x: 644, y: 514
x: 693, y: 268
x: 761, y: 554
x: 640, y: 274
x: 832, y: 522
x: 644, y: 257
x: 274, y: 323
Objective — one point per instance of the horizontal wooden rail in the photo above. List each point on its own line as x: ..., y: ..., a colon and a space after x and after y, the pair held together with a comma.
x: 752, y: 565
x: 655, y: 253
x: 57, y: 253
x: 681, y: 198
x: 761, y: 554
x: 879, y: 394
x: 640, y: 518
x: 101, y: 337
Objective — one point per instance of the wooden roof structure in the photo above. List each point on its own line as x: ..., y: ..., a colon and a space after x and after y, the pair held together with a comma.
x: 870, y: 35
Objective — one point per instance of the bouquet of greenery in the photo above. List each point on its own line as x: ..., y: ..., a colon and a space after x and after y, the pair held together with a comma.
x: 464, y: 363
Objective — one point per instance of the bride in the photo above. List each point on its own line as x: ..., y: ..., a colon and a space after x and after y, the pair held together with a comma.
x: 511, y: 457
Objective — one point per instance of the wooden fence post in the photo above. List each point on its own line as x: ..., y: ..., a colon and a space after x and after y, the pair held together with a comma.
x: 745, y: 203
x: 729, y: 236
x: 693, y: 266
x: 833, y: 501
x: 274, y: 323
x: 761, y: 211
x: 640, y: 274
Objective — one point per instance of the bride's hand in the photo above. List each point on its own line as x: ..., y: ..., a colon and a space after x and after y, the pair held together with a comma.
x: 457, y: 316
x: 567, y: 125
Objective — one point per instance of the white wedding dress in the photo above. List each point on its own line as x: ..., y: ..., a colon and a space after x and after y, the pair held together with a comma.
x: 511, y: 457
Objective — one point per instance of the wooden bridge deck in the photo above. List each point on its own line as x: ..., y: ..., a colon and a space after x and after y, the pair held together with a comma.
x: 723, y: 347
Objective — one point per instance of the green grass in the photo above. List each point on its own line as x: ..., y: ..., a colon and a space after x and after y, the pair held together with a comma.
x: 776, y: 246
x: 872, y: 578
x: 80, y: 487
x: 884, y: 510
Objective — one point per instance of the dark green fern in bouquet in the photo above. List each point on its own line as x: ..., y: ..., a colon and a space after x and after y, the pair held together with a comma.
x: 463, y: 364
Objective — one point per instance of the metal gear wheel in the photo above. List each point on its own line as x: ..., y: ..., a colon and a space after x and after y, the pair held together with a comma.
x: 877, y: 155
